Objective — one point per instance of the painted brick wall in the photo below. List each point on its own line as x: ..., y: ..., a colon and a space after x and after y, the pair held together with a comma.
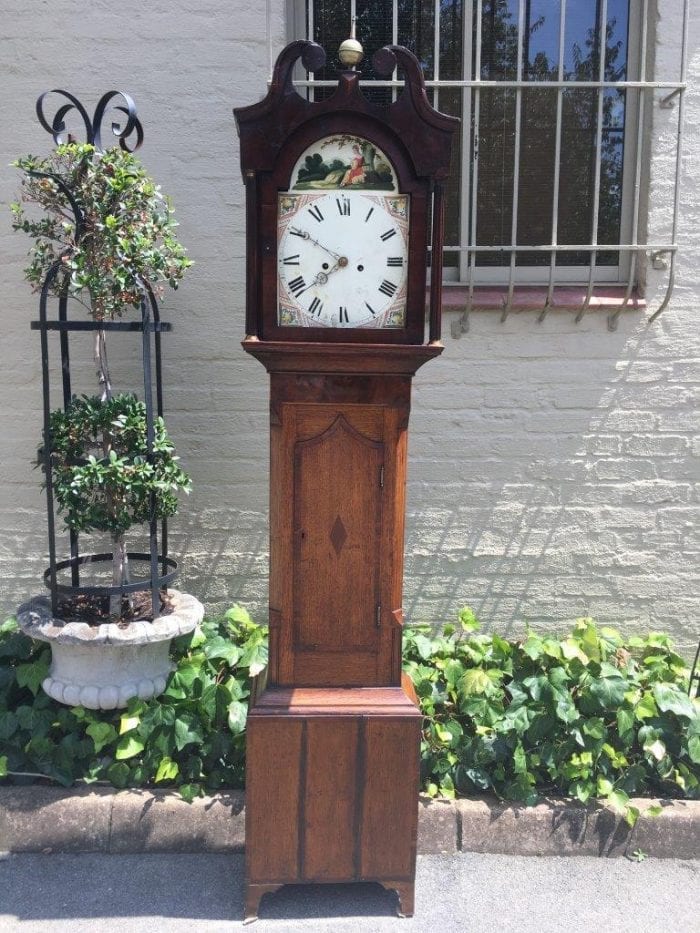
x: 553, y: 467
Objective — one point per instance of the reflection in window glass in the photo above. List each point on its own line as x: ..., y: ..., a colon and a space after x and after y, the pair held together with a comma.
x: 542, y: 62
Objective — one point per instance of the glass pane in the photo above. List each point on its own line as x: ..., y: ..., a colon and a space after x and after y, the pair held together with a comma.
x: 450, y: 101
x: 417, y: 32
x: 539, y: 35
x: 538, y: 130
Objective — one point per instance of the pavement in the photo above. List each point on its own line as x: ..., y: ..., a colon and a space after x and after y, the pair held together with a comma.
x: 467, y: 892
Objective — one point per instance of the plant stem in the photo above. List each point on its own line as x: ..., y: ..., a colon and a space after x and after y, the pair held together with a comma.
x: 120, y: 560
x: 120, y: 572
x: 102, y: 366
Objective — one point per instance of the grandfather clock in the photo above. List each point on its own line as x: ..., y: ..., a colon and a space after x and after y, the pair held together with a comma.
x: 343, y: 199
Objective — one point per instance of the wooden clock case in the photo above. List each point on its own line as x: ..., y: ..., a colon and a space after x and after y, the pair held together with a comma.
x: 333, y: 729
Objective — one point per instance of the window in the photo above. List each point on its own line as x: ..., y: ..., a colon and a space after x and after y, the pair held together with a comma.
x: 553, y: 99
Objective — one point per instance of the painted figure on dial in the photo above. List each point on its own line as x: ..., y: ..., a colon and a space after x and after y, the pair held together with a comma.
x: 355, y: 175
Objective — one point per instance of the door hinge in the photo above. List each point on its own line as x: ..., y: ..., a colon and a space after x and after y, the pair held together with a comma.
x: 381, y: 476
x: 378, y: 621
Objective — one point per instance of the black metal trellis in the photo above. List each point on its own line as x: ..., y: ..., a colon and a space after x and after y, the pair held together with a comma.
x: 694, y: 681
x: 149, y: 326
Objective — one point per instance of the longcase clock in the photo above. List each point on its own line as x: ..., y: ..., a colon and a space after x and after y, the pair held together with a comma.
x: 344, y: 199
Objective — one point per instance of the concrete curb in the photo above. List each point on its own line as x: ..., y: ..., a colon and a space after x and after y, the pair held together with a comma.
x: 99, y: 819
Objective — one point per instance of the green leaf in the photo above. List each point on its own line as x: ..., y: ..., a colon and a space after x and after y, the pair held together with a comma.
x: 516, y: 718
x: 625, y: 720
x: 468, y: 621
x: 187, y: 730
x: 222, y: 648
x: 533, y: 646
x: 646, y: 708
x: 32, y: 675
x: 239, y: 615
x: 476, y: 681
x: 595, y: 728
x: 609, y: 690
x: 237, y: 715
x: 519, y: 759
x: 118, y: 773
x: 447, y: 787
x: 631, y: 816
x: 8, y: 724
x: 694, y: 749
x: 3, y: 765
x: 618, y: 801
x: 255, y: 659
x: 128, y: 746
x: 672, y: 699
x: 189, y: 791
x: 582, y: 790
x: 656, y: 749
x: 423, y: 645
x: 102, y: 733
x: 453, y: 672
x: 127, y: 722
x: 35, y: 719
x: 167, y: 770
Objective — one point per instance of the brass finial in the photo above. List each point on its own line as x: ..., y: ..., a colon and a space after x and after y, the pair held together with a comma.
x: 351, y: 52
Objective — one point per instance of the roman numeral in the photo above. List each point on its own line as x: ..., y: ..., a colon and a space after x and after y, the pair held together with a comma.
x: 291, y: 260
x: 343, y: 206
x: 315, y: 212
x: 343, y: 315
x: 297, y: 285
x: 316, y: 307
x: 295, y: 232
x: 394, y: 261
x: 388, y: 234
x: 369, y: 214
x: 370, y: 309
x: 388, y: 288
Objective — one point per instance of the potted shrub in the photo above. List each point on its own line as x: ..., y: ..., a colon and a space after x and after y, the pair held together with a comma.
x: 106, y: 240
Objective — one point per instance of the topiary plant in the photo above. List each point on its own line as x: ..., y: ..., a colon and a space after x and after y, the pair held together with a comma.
x: 106, y: 239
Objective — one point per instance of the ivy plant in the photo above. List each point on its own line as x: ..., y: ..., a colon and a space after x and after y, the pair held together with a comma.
x: 191, y: 737
x: 587, y: 715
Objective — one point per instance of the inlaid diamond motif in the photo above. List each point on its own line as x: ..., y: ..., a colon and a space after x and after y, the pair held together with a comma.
x: 338, y: 535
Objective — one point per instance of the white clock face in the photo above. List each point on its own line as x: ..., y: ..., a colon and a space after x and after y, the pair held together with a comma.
x: 342, y: 259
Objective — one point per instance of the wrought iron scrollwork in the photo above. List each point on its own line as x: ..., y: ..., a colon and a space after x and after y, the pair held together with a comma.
x: 121, y: 130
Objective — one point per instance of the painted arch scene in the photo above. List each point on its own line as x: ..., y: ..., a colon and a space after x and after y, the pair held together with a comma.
x: 344, y: 161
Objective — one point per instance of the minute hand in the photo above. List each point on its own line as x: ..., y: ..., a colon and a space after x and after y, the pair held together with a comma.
x: 307, y: 236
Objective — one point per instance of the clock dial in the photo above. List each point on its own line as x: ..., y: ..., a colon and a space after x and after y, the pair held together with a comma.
x: 342, y: 259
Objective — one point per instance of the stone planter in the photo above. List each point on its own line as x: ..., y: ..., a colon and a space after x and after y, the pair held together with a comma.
x: 103, y: 666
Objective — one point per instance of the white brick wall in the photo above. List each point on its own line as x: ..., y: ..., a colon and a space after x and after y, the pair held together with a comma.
x: 553, y: 467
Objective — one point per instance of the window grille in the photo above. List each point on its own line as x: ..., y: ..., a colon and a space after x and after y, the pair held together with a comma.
x: 554, y: 96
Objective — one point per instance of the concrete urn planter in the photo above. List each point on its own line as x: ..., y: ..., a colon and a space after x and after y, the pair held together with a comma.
x: 104, y: 666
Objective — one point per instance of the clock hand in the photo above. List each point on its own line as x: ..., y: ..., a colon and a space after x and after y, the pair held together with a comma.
x: 307, y: 236
x: 322, y: 277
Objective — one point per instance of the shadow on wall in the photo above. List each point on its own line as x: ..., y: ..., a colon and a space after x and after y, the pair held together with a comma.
x: 550, y: 476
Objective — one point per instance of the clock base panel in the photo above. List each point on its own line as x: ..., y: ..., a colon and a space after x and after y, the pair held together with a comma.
x: 345, y: 810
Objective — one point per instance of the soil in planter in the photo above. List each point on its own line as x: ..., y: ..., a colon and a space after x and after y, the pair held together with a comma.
x: 95, y: 609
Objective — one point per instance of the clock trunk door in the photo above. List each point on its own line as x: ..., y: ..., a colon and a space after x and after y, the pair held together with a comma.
x: 338, y: 480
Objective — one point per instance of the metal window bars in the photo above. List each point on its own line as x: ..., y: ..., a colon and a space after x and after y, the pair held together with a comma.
x: 662, y: 252
x: 149, y: 326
